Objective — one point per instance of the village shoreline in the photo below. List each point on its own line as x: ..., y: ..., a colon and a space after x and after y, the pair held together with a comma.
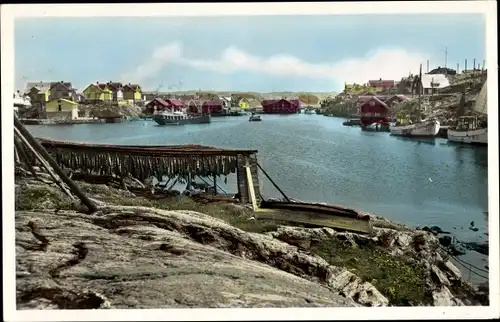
x: 420, y: 272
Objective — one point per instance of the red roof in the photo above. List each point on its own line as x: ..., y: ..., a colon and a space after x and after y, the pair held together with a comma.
x: 175, y: 102
x: 161, y: 101
x: 381, y: 83
x: 213, y: 102
x: 267, y: 102
x: 374, y: 98
x: 366, y: 98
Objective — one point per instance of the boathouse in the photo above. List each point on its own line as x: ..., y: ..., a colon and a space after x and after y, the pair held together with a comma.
x: 213, y: 106
x: 372, y: 111
x: 159, y: 104
x: 281, y: 106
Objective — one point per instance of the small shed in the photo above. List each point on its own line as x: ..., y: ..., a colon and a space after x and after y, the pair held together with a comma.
x: 281, y: 106
x: 374, y: 111
x: 62, y: 109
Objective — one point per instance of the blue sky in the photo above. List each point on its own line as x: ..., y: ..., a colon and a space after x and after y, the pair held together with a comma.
x: 247, y: 53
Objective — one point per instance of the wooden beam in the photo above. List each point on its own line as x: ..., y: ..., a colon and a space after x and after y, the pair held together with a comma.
x: 251, y: 190
x: 40, y: 149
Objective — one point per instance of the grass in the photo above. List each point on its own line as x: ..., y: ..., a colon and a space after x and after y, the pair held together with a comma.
x: 401, y: 282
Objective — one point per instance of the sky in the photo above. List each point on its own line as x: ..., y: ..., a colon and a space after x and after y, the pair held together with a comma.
x: 243, y: 53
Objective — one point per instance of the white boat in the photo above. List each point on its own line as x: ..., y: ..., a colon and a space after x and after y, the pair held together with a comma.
x: 309, y: 111
x: 470, y: 129
x: 423, y: 128
x: 420, y: 128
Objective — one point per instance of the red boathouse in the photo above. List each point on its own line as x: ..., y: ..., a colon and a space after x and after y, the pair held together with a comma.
x: 374, y: 111
x: 159, y: 104
x: 213, y: 106
x: 281, y: 106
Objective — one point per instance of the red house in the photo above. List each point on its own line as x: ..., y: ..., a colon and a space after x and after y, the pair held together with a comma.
x: 281, y: 106
x: 381, y: 84
x: 374, y: 111
x: 159, y: 104
x: 213, y: 106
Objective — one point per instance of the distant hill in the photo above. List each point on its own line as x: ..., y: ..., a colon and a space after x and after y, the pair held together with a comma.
x: 263, y: 95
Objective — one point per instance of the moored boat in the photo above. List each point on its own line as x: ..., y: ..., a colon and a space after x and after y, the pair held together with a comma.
x: 254, y: 118
x: 425, y: 128
x: 180, y: 118
x: 472, y: 129
x: 420, y: 128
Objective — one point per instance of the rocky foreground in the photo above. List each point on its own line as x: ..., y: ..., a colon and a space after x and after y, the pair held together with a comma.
x: 136, y: 253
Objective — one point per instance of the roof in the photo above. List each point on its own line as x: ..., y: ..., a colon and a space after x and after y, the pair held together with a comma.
x: 381, y: 83
x: 133, y: 87
x: 439, y: 80
x: 41, y: 86
x: 115, y: 85
x: 366, y: 98
x: 376, y: 99
x: 66, y: 85
x: 213, y: 102
x: 401, y: 97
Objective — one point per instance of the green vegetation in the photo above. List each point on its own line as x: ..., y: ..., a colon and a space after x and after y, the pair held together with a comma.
x: 401, y: 282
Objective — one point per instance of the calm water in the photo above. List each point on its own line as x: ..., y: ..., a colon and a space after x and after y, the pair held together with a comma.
x: 315, y: 158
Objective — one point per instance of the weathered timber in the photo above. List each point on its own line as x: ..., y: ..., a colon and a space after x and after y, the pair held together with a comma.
x: 41, y: 150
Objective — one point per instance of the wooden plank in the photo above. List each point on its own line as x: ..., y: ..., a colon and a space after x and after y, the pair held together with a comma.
x: 250, y: 186
x: 315, y: 219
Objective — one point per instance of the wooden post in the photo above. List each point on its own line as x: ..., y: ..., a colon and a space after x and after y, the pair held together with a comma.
x: 23, y: 157
x: 45, y: 165
x: 40, y: 149
x: 251, y: 191
x: 215, y: 185
x: 465, y: 64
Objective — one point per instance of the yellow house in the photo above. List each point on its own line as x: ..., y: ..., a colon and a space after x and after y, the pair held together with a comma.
x: 132, y: 92
x: 244, y: 104
x: 98, y: 92
x: 62, y: 109
x: 39, y: 94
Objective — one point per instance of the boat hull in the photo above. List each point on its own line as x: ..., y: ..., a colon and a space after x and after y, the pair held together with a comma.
x: 479, y: 136
x: 162, y: 120
x: 422, y: 129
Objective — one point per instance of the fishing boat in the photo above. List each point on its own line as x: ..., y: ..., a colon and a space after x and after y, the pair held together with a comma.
x: 420, y: 128
x: 180, y: 118
x: 472, y: 129
x: 254, y: 118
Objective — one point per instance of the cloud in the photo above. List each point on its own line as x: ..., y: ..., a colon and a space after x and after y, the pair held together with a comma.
x: 388, y: 63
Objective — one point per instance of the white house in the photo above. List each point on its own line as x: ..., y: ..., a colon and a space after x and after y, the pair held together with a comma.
x: 434, y: 82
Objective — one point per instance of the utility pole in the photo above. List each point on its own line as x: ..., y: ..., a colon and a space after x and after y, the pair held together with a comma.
x: 458, y: 68
x: 445, y: 56
x: 427, y: 66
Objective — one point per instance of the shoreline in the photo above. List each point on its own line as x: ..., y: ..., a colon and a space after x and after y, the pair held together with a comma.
x: 420, y: 273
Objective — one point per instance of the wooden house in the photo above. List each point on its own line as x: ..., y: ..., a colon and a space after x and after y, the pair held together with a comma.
x: 381, y: 84
x: 372, y: 111
x: 132, y: 92
x: 213, y: 106
x: 116, y: 89
x: 98, y: 92
x: 62, y: 109
x: 159, y: 104
x: 62, y: 90
x: 281, y: 106
x: 38, y: 92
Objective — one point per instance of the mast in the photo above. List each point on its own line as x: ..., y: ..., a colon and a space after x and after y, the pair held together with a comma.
x: 419, y: 94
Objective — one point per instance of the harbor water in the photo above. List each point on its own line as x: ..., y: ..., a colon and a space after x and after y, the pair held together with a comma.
x: 315, y: 158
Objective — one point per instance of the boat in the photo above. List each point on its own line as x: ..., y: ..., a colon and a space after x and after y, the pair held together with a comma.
x: 254, y: 118
x: 309, y: 111
x: 180, y: 118
x: 472, y: 129
x: 351, y: 122
x: 420, y: 128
